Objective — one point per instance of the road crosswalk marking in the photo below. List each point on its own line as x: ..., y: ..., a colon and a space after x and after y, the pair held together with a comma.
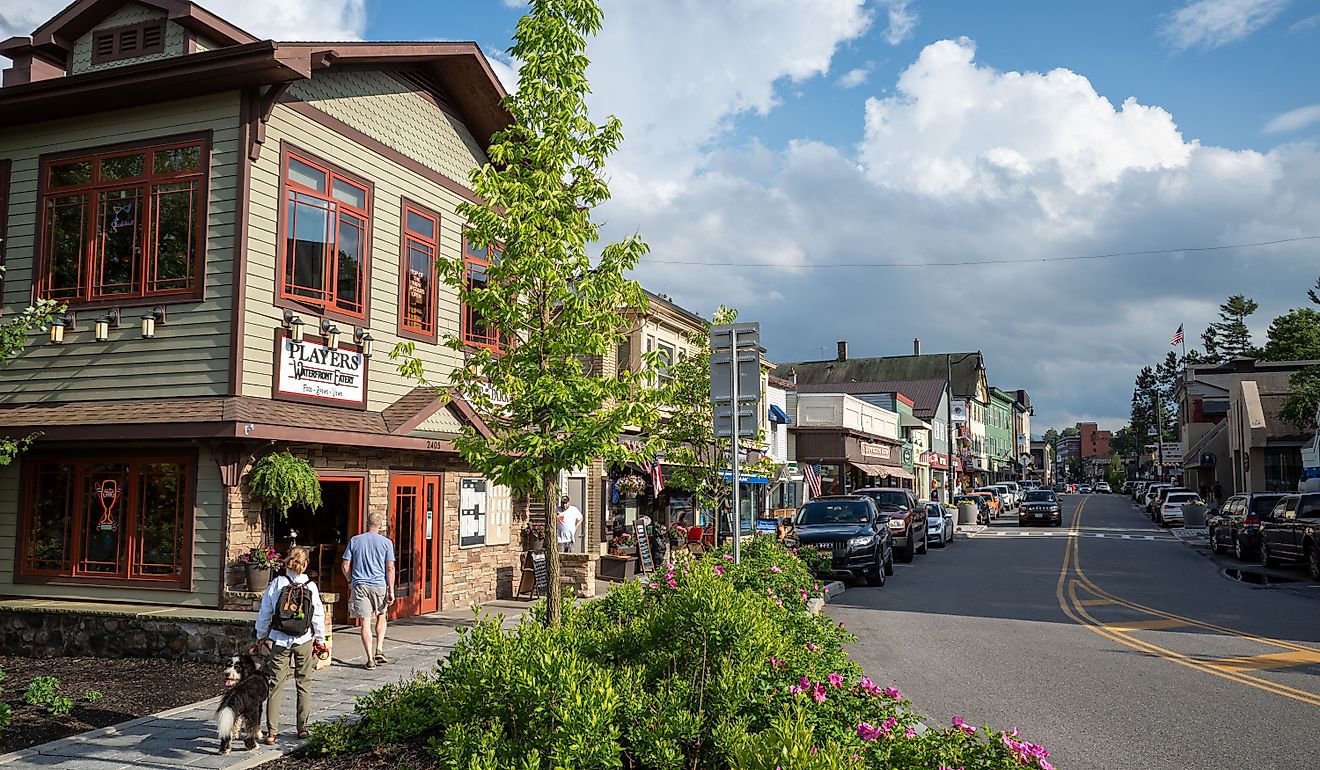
x: 1068, y: 533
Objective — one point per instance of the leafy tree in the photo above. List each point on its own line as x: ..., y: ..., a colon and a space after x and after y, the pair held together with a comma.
x: 548, y: 409
x: 1051, y: 437
x: 1071, y: 430
x: 14, y: 334
x: 1294, y: 336
x: 686, y: 436
x: 1312, y: 292
x: 1229, y: 337
x: 1303, y: 398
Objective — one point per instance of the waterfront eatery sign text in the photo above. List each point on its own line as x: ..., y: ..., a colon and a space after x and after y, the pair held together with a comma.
x: 312, y: 370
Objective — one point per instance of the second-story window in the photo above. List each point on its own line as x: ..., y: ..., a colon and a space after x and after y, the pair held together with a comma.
x: 326, y: 218
x: 476, y: 331
x: 664, y: 369
x: 421, y: 243
x: 123, y: 224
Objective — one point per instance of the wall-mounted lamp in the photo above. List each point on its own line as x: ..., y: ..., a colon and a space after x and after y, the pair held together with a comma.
x: 60, y: 324
x: 364, y: 339
x: 149, y: 320
x: 331, y: 333
x: 295, y: 326
x: 105, y: 323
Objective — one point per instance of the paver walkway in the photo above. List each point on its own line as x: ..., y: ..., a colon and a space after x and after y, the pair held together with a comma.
x: 185, y: 737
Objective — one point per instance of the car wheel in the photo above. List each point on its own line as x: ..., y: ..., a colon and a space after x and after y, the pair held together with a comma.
x: 889, y: 563
x: 1313, y: 561
x: 1240, y: 549
x: 943, y: 538
x: 1266, y: 558
x: 925, y: 541
x: 908, y: 551
x: 876, y: 575
x: 1215, y: 545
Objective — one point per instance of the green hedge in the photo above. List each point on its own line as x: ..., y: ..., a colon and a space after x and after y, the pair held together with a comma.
x: 710, y: 665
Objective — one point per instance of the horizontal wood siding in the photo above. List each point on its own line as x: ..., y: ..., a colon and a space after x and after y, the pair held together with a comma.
x: 189, y: 356
x: 208, y: 527
x: 392, y: 182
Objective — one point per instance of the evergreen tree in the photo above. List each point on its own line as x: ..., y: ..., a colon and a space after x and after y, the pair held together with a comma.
x: 1169, y: 374
x: 1229, y: 337
x: 1294, y: 336
x: 1143, y: 419
x: 1312, y: 293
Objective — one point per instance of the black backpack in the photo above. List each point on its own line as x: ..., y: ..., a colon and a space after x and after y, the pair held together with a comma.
x: 293, y: 610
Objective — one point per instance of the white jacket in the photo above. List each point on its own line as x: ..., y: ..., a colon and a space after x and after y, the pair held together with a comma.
x: 266, y: 615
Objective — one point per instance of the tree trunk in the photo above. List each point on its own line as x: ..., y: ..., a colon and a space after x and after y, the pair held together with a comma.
x: 552, y: 588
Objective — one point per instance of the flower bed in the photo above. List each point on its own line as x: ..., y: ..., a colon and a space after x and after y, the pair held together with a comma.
x: 711, y: 665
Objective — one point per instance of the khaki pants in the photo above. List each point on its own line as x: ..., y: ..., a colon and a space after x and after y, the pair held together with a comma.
x: 283, y: 661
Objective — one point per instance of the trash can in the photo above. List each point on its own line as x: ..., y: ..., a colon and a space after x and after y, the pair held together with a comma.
x: 1195, y: 515
x: 967, y: 513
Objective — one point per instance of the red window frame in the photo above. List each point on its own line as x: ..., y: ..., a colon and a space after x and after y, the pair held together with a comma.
x: 341, y: 214
x: 89, y: 259
x: 85, y: 515
x: 414, y: 243
x: 474, y: 260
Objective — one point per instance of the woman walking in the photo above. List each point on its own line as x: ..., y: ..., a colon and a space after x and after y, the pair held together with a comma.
x: 292, y: 617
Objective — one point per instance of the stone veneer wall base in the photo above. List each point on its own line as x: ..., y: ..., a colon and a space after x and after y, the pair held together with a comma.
x: 57, y: 634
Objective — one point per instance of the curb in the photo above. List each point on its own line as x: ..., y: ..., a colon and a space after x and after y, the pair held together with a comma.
x: 832, y: 589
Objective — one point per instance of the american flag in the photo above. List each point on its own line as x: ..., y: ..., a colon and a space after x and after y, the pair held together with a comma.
x: 657, y: 477
x: 1177, y: 336
x: 812, y: 474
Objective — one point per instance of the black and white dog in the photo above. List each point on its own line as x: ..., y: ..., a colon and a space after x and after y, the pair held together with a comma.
x: 247, y: 677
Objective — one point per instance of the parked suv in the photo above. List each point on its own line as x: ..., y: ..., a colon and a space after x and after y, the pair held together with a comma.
x: 1008, y: 495
x: 1170, y: 510
x: 1237, y: 523
x: 1291, y: 532
x: 906, y: 520
x: 849, y: 531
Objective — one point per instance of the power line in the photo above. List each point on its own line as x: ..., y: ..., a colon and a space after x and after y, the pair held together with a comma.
x: 973, y: 262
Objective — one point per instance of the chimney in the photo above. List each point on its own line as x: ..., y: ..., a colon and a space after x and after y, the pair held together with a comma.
x: 916, y: 346
x: 843, y: 350
x: 792, y: 375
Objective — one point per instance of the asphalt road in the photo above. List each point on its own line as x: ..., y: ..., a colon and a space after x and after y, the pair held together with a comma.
x: 1112, y: 652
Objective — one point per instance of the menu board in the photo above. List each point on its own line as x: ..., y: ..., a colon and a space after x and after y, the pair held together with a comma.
x: 644, y: 548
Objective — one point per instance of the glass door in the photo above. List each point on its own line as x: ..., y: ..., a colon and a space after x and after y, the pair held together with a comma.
x: 415, y: 528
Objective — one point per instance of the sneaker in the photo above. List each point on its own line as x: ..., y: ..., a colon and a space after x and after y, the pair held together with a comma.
x: 380, y: 658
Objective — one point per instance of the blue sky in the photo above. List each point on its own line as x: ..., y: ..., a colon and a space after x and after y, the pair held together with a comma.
x: 800, y: 134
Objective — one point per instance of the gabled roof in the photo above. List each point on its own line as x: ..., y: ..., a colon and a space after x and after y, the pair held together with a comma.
x: 455, y: 72
x: 925, y: 394
x: 967, y: 373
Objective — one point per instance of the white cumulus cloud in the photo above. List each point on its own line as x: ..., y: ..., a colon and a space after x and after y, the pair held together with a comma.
x: 1294, y: 119
x: 855, y: 77
x: 1214, y: 23
x: 902, y: 21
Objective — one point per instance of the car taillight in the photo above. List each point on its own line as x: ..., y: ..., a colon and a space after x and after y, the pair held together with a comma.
x: 1250, y: 520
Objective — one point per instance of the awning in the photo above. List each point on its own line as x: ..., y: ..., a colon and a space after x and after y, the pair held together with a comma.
x: 899, y: 473
x: 779, y: 416
x: 906, y: 420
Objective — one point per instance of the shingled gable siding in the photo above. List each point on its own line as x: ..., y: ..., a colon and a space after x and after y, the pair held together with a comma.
x: 176, y: 39
x: 189, y: 356
x: 392, y: 183
x: 208, y: 523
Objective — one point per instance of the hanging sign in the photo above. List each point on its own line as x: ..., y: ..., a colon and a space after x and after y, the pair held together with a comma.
x: 958, y: 410
x: 107, y: 494
x: 312, y: 370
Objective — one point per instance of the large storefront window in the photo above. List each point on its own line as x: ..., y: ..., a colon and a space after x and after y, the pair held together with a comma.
x: 126, y: 520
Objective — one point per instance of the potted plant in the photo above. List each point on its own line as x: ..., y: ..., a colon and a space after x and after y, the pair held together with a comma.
x: 534, y: 534
x: 631, y: 485
x: 260, y: 564
x: 624, y: 544
x: 678, y: 536
x: 279, y: 481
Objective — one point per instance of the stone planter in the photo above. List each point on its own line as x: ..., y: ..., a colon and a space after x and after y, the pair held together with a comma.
x: 617, y: 568
x: 258, y: 578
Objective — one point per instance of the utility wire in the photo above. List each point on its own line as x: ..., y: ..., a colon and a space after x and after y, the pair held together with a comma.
x: 972, y: 262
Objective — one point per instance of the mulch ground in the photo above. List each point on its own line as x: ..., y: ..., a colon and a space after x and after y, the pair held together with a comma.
x: 130, y: 688
x: 410, y: 755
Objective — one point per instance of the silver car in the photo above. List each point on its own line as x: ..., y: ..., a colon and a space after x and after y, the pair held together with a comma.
x: 939, y: 524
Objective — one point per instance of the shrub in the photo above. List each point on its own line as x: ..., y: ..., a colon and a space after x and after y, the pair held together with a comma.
x: 60, y: 705
x: 92, y: 696
x: 41, y: 690
x: 6, y: 712
x: 710, y: 664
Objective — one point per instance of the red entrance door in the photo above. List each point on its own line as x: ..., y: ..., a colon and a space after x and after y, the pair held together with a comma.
x: 415, y: 525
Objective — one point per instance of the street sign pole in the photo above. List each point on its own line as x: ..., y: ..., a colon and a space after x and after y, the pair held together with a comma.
x: 734, y: 446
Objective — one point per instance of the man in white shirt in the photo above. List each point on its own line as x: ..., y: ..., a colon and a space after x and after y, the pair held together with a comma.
x: 570, y: 518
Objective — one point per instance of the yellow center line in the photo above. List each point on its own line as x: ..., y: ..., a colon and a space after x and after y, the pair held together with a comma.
x: 1074, y: 608
x: 1159, y: 624
x: 1267, y: 662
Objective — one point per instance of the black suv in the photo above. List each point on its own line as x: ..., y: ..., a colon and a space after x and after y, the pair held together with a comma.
x: 1291, y: 532
x: 849, y: 531
x: 1040, y: 506
x: 1237, y: 523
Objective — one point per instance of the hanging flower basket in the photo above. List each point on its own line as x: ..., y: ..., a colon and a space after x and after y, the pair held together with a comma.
x: 631, y: 485
x: 279, y: 481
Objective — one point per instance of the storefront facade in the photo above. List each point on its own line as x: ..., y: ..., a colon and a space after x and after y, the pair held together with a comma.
x: 851, y: 459
x: 235, y: 251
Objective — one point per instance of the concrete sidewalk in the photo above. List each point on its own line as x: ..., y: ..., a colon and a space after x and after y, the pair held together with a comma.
x: 185, y: 736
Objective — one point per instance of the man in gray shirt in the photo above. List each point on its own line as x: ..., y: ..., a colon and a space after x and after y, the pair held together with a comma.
x: 369, y: 569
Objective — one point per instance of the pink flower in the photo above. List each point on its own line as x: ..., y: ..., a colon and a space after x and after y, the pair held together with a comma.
x: 836, y: 681
x: 867, y: 732
x: 911, y: 732
x: 805, y: 682
x: 776, y: 662
x: 655, y: 585
x: 888, y: 725
x: 959, y: 723
x: 818, y: 693
x: 794, y: 689
x: 780, y: 602
x: 1045, y: 765
x: 673, y: 583
x: 775, y: 569
x: 893, y: 693
x: 811, y: 646
x: 719, y: 569
x: 866, y: 683
x: 728, y: 557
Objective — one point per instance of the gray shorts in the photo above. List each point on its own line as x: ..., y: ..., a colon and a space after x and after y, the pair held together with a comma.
x: 366, y: 601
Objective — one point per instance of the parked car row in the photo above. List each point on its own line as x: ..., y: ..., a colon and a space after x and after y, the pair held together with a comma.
x: 1269, y: 527
x: 864, y: 532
